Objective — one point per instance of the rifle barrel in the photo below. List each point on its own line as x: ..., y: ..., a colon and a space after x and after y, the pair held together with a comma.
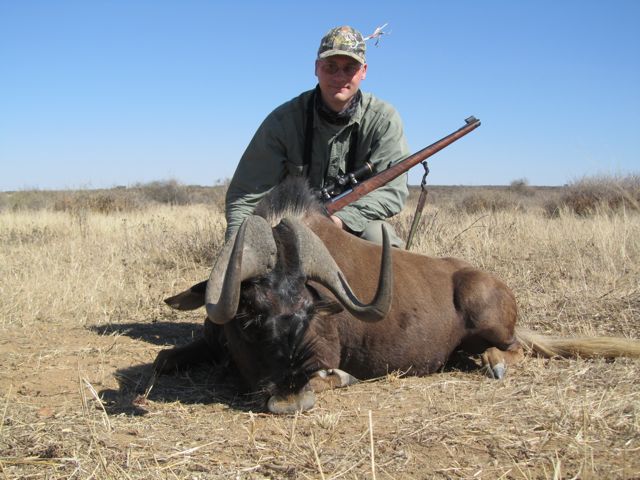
x: 385, y: 176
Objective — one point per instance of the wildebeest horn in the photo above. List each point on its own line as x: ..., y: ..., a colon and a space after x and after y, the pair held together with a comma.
x: 318, y: 264
x: 251, y: 254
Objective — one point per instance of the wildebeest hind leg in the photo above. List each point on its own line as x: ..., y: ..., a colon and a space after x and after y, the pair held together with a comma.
x: 496, y: 361
x: 495, y: 356
x: 489, y: 310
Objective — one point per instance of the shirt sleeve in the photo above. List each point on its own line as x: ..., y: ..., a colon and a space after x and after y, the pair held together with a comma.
x: 261, y: 167
x: 388, y: 147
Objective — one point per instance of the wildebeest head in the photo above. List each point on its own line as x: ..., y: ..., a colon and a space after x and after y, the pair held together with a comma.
x: 259, y: 290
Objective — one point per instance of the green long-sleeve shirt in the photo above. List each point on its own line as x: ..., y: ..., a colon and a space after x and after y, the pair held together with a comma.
x: 277, y: 150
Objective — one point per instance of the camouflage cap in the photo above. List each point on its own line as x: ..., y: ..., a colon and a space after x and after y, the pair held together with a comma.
x: 343, y: 40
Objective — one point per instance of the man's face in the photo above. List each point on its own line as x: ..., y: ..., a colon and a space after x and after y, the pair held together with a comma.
x: 339, y: 77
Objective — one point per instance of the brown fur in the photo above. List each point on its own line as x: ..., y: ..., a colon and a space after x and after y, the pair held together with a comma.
x: 439, y: 304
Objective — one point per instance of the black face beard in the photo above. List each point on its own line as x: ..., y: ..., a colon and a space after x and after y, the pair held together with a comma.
x: 337, y: 118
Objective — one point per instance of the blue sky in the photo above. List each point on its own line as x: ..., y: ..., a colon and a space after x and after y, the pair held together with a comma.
x: 103, y: 93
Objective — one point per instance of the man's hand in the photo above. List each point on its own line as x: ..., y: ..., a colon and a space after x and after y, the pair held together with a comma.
x: 337, y: 221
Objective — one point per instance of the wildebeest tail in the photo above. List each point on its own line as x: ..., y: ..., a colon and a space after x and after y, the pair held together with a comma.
x: 585, y: 347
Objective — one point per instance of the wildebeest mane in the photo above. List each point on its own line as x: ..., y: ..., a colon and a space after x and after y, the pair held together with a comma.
x: 292, y: 198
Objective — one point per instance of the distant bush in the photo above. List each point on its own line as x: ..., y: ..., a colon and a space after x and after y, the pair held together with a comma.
x: 214, y: 196
x: 172, y: 192
x: 165, y: 191
x: 25, y: 200
x: 107, y: 201
x: 591, y: 195
x: 521, y: 187
x: 117, y: 199
x: 486, y: 201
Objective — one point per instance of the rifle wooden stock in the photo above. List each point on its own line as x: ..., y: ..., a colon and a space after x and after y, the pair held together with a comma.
x: 384, y: 177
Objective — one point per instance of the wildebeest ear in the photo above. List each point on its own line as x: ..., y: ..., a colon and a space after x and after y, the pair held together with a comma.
x: 322, y: 304
x: 327, y: 307
x: 189, y: 299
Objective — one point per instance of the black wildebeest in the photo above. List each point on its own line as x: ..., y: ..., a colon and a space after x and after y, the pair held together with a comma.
x: 284, y: 302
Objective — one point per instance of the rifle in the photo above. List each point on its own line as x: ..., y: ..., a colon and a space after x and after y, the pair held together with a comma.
x: 360, y: 188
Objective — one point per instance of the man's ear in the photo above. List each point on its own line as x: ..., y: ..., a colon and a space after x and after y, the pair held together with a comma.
x: 315, y: 69
x: 364, y: 71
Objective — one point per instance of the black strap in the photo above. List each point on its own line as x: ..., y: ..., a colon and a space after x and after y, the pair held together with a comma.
x: 353, y: 147
x: 308, y: 138
x: 308, y: 131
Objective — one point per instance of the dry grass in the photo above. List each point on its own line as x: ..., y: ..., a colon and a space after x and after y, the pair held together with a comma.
x: 81, y: 319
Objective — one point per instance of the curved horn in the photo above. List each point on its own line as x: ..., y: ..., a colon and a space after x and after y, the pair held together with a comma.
x: 318, y: 264
x: 251, y: 254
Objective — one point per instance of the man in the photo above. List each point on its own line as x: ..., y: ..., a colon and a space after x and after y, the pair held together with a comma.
x: 324, y: 133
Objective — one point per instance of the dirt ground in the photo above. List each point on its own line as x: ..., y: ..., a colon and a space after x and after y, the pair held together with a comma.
x: 548, y: 419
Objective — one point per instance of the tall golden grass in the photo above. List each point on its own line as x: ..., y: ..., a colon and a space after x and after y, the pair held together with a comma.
x: 81, y: 319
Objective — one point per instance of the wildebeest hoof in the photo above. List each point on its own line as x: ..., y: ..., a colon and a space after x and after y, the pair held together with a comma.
x: 497, y: 371
x: 331, y: 378
x: 346, y: 379
x: 296, y: 402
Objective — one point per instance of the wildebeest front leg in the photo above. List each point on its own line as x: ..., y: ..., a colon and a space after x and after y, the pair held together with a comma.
x: 331, y: 378
x: 180, y: 358
x: 306, y: 399
x: 208, y: 349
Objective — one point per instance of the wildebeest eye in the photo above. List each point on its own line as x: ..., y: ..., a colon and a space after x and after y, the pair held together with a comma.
x: 248, y: 331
